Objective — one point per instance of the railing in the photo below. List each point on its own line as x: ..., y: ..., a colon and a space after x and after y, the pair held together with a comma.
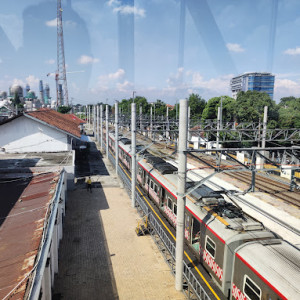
x: 192, y: 287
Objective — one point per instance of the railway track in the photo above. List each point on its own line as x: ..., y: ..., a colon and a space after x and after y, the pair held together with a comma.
x: 272, y: 187
x: 268, y: 185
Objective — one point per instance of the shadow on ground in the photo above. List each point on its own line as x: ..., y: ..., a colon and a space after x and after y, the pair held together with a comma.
x: 85, y: 269
x: 89, y: 162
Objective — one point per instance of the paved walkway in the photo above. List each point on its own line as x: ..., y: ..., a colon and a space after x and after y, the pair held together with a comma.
x: 101, y: 257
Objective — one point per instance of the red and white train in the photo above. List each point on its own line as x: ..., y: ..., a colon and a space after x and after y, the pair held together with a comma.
x: 246, y: 260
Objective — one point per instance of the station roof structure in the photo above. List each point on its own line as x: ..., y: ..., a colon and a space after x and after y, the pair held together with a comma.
x: 23, y: 215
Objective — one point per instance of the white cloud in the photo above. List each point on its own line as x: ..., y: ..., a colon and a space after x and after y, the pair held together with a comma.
x: 285, y: 88
x: 50, y: 61
x: 292, y: 51
x: 128, y: 10
x: 18, y: 82
x: 176, y: 79
x: 51, y: 23
x: 113, y: 2
x: 125, y: 86
x: 69, y: 23
x: 33, y: 82
x: 234, y: 48
x: 111, y: 81
x: 85, y: 59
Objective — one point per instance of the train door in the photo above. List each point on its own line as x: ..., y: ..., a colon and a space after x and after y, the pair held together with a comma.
x: 162, y: 196
x: 187, y: 229
x: 195, y: 235
x: 143, y: 176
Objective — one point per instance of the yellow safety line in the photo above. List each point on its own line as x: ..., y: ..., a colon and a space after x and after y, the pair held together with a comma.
x: 208, y: 285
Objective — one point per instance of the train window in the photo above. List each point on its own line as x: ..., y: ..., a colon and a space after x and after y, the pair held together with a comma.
x: 169, y: 203
x: 210, y: 246
x: 187, y: 221
x: 175, y: 209
x: 155, y: 188
x: 196, y: 230
x: 148, y: 180
x: 151, y: 185
x: 251, y: 290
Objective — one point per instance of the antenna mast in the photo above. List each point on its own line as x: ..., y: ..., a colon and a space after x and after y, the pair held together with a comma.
x: 60, y: 76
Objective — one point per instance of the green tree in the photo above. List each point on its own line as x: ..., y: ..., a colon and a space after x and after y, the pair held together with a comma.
x: 160, y: 108
x: 16, y: 100
x: 250, y: 107
x: 197, y: 105
x: 64, y: 109
x: 289, y: 112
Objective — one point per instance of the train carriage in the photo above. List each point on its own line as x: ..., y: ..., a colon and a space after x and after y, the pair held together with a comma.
x: 266, y: 270
x: 216, y: 230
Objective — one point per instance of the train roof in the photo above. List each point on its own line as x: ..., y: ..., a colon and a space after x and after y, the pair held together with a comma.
x: 276, y: 262
x: 211, y: 208
x: 205, y: 203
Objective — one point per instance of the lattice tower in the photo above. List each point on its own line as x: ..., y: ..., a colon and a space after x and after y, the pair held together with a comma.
x: 61, y: 77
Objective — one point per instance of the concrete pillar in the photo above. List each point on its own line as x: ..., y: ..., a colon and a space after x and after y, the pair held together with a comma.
x: 97, y: 124
x: 218, y: 127
x: 133, y: 153
x: 106, y: 125
x: 101, y: 127
x: 189, y: 121
x: 94, y: 120
x: 151, y: 124
x: 264, y: 133
x: 182, y: 160
x: 117, y: 135
x: 168, y: 125
x: 141, y: 122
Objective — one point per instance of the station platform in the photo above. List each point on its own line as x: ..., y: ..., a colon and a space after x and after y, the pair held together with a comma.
x: 100, y: 256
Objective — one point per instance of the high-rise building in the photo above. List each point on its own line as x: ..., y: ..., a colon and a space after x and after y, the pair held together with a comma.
x: 27, y: 89
x: 47, y: 94
x: 261, y: 82
x: 41, y: 90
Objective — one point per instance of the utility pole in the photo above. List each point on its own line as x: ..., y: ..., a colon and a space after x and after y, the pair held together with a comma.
x: 101, y: 127
x: 151, y: 124
x: 117, y: 135
x: 218, y: 127
x: 189, y: 121
x: 182, y: 160
x: 94, y: 120
x: 106, y: 129
x: 141, y: 124
x: 264, y: 133
x: 168, y: 125
x: 133, y: 153
x: 97, y: 123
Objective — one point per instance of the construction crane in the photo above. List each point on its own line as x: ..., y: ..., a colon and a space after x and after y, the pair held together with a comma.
x: 59, y: 86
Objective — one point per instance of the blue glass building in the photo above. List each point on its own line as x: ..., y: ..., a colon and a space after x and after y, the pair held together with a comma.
x: 261, y: 82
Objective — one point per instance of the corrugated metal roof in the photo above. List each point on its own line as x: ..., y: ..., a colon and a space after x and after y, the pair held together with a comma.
x: 56, y: 119
x: 21, y: 233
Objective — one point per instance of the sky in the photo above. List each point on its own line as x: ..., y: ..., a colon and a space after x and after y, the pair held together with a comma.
x: 160, y: 49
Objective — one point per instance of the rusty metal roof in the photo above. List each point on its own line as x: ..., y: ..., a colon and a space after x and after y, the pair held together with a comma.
x: 21, y: 233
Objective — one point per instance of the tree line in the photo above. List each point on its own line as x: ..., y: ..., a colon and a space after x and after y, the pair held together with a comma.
x: 248, y: 107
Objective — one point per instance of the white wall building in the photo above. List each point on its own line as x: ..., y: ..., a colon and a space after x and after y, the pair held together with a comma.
x: 39, y: 131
